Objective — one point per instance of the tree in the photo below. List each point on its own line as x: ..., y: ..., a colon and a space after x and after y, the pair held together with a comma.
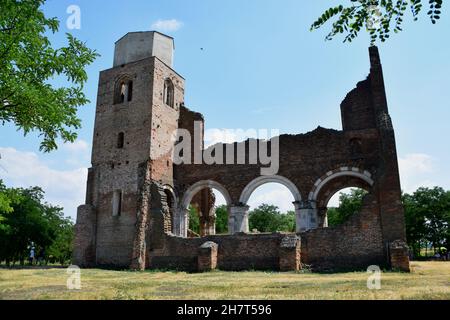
x: 221, y: 219
x: 415, y: 223
x: 427, y: 213
x: 194, y: 220
x: 28, y: 65
x: 378, y: 17
x: 287, y: 222
x: 7, y: 198
x: 349, y: 204
x: 24, y: 225
x: 61, y: 248
x: 268, y: 218
x: 33, y: 221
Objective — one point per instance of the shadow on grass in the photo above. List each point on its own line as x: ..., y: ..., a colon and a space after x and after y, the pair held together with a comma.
x: 19, y: 267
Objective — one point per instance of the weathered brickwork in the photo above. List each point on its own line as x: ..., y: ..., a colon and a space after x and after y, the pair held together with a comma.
x: 290, y: 253
x: 356, y: 243
x: 207, y: 256
x: 235, y: 252
x: 398, y: 251
x: 136, y: 210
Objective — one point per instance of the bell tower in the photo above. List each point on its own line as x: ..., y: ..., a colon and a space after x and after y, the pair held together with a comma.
x: 138, y: 108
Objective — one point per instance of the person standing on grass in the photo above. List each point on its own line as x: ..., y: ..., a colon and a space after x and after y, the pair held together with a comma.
x: 32, y: 254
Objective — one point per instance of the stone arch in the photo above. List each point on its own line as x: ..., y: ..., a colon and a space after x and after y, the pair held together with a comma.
x: 172, y: 203
x: 171, y: 190
x: 181, y: 221
x: 364, y: 175
x: 256, y: 183
x: 123, y: 89
x: 331, y: 183
x: 169, y: 92
x: 192, y: 191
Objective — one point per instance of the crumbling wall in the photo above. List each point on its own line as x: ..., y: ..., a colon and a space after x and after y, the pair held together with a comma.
x: 357, y: 243
x: 237, y: 252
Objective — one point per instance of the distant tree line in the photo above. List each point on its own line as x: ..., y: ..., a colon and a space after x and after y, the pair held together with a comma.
x: 28, y: 224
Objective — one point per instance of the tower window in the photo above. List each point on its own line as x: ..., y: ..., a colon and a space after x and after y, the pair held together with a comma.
x: 168, y: 93
x: 117, y: 203
x: 124, y: 91
x: 130, y: 91
x: 120, y: 140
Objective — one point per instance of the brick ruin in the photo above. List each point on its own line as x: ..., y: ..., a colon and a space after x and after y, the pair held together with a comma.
x: 136, y: 209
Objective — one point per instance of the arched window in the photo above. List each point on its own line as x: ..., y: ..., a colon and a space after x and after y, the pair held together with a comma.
x: 120, y: 140
x: 168, y: 93
x: 124, y: 91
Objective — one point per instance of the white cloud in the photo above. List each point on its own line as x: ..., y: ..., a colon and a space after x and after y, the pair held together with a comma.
x: 167, y: 25
x: 76, y: 147
x: 415, y: 170
x: 65, y: 188
x: 78, y: 153
x: 214, y: 136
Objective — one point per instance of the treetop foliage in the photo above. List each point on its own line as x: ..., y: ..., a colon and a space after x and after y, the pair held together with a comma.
x: 28, y: 65
x: 378, y: 17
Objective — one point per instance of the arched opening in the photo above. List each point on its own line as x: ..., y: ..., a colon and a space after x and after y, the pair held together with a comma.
x: 123, y: 91
x: 343, y: 205
x: 271, y: 209
x: 170, y: 200
x: 272, y: 204
x: 339, y: 195
x: 200, y: 210
x: 168, y: 93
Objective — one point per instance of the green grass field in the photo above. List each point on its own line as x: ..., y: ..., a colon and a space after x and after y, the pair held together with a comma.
x: 428, y: 280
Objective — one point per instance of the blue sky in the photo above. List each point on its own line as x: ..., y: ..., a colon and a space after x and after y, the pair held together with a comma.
x: 260, y: 68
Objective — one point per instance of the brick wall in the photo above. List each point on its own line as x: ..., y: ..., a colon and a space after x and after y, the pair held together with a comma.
x: 357, y: 243
x: 238, y: 252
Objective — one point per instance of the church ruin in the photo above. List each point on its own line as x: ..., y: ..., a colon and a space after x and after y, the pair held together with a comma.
x: 137, y: 200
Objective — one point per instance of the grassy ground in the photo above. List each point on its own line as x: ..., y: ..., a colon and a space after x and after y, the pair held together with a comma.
x: 428, y: 280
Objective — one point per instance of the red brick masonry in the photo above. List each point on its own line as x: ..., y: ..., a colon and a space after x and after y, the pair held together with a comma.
x: 315, y: 165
